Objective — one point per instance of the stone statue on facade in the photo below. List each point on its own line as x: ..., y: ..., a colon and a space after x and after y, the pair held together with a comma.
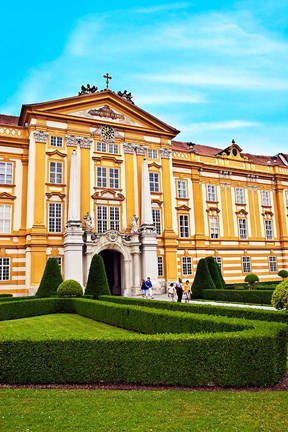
x: 88, y: 222
x: 134, y: 225
x: 87, y: 90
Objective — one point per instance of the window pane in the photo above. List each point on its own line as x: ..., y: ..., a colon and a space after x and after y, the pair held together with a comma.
x: 156, y: 220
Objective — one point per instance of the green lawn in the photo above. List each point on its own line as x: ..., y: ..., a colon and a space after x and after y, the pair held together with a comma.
x: 50, y: 410
x: 59, y: 325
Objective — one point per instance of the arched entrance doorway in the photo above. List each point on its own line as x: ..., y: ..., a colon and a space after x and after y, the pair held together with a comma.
x: 112, y: 261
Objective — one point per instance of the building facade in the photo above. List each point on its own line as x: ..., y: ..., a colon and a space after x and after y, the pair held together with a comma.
x: 95, y: 173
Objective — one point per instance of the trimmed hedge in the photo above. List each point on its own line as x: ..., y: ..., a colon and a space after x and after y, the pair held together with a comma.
x: 254, y: 356
x: 28, y: 308
x: 243, y: 296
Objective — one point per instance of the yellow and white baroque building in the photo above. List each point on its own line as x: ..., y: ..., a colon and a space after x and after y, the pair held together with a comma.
x: 95, y: 173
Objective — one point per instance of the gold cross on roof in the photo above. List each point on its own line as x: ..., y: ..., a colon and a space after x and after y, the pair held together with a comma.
x: 108, y: 77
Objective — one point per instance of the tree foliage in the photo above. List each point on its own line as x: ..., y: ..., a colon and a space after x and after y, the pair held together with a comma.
x: 202, y: 280
x: 215, y: 273
x: 51, y: 279
x: 97, y: 283
x: 70, y: 288
x: 283, y: 273
x: 280, y: 296
x: 251, y: 279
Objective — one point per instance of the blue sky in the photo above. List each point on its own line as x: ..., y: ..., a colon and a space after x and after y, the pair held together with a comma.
x: 216, y: 71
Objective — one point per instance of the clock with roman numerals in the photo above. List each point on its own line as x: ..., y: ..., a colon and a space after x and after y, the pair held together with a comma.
x: 107, y: 133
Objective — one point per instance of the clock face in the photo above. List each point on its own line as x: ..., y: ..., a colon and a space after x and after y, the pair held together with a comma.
x: 107, y: 133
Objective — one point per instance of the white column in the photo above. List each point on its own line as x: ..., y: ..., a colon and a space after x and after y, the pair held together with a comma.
x: 146, y: 208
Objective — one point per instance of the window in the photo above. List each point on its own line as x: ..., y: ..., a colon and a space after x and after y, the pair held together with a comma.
x: 240, y: 199
x: 214, y: 227
x: 211, y: 192
x: 265, y: 198
x: 55, y: 217
x: 4, y: 269
x: 156, y: 220
x: 103, y: 222
x: 101, y: 147
x: 246, y: 264
x: 218, y: 260
x: 152, y: 154
x: 272, y: 264
x: 113, y: 148
x: 114, y: 178
x: 154, y: 182
x: 55, y: 172
x: 268, y: 229
x: 242, y: 224
x: 184, y: 226
x: 59, y: 261
x: 56, y: 141
x: 101, y: 177
x: 181, y: 189
x: 5, y: 218
x: 6, y: 173
x: 160, y: 266
x: 186, y: 266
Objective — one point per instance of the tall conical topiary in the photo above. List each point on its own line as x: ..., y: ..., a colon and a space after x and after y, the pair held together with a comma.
x: 51, y: 279
x: 97, y: 283
x: 202, y: 279
x: 215, y: 273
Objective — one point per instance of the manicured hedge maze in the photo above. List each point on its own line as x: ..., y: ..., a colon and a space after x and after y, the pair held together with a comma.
x: 173, y: 348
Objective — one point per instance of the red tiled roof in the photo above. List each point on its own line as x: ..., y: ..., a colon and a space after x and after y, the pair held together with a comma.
x: 8, y: 120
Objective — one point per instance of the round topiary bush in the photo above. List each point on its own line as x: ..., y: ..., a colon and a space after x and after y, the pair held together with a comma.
x: 70, y: 288
x: 283, y: 273
x: 280, y: 296
x: 251, y: 279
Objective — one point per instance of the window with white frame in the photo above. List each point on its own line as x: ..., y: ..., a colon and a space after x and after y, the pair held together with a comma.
x: 56, y: 141
x: 184, y: 226
x: 186, y: 265
x: 101, y: 147
x: 6, y: 172
x: 211, y: 192
x: 265, y: 196
x: 242, y: 224
x: 218, y: 260
x: 214, y: 227
x: 5, y: 218
x: 240, y: 197
x: 181, y: 189
x: 55, y: 172
x: 108, y: 218
x: 101, y: 177
x: 4, y: 269
x: 160, y: 266
x: 114, y: 178
x: 272, y: 263
x: 55, y: 217
x: 152, y: 154
x: 154, y: 182
x: 157, y: 220
x: 59, y: 261
x: 113, y: 148
x: 268, y: 229
x: 246, y: 264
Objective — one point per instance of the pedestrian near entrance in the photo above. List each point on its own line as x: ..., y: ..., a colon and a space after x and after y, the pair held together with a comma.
x: 149, y: 287
x: 186, y: 291
x: 171, y: 291
x: 179, y: 290
x: 144, y: 289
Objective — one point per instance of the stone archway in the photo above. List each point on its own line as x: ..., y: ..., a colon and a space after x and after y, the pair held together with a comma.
x: 113, y: 263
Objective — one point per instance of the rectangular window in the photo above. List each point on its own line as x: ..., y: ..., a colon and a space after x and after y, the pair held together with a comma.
x: 55, y: 217
x: 152, y: 154
x: 6, y: 172
x: 214, y: 227
x: 246, y: 264
x: 240, y: 199
x: 102, y: 219
x: 157, y: 220
x: 114, y: 178
x: 154, y: 182
x: 242, y: 224
x: 211, y: 192
x: 101, y: 147
x: 186, y: 266
x: 268, y: 229
x: 181, y: 189
x: 56, y: 141
x: 184, y: 226
x: 5, y: 218
x: 101, y: 177
x: 265, y: 198
x: 113, y: 148
x: 4, y: 269
x: 272, y: 264
x: 160, y: 266
x: 218, y: 260
x: 115, y: 218
x: 55, y: 172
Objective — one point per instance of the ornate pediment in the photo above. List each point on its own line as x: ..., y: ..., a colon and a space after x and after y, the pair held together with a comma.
x: 232, y: 152
x: 56, y: 152
x: 104, y: 112
x: 6, y: 195
x: 108, y: 194
x: 183, y: 208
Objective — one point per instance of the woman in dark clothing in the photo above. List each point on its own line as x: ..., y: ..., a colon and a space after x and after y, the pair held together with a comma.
x: 179, y: 290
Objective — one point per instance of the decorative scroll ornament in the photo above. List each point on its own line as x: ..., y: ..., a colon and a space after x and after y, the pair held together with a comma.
x: 129, y: 148
x: 112, y: 235
x: 105, y: 112
x: 73, y: 141
x: 141, y: 150
x: 41, y: 136
x: 165, y: 153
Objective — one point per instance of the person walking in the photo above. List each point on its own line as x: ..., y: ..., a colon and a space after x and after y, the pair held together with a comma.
x: 144, y: 288
x: 149, y: 287
x: 179, y: 290
x: 171, y: 291
x: 186, y: 291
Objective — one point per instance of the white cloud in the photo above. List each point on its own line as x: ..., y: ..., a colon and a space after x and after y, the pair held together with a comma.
x: 162, y: 8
